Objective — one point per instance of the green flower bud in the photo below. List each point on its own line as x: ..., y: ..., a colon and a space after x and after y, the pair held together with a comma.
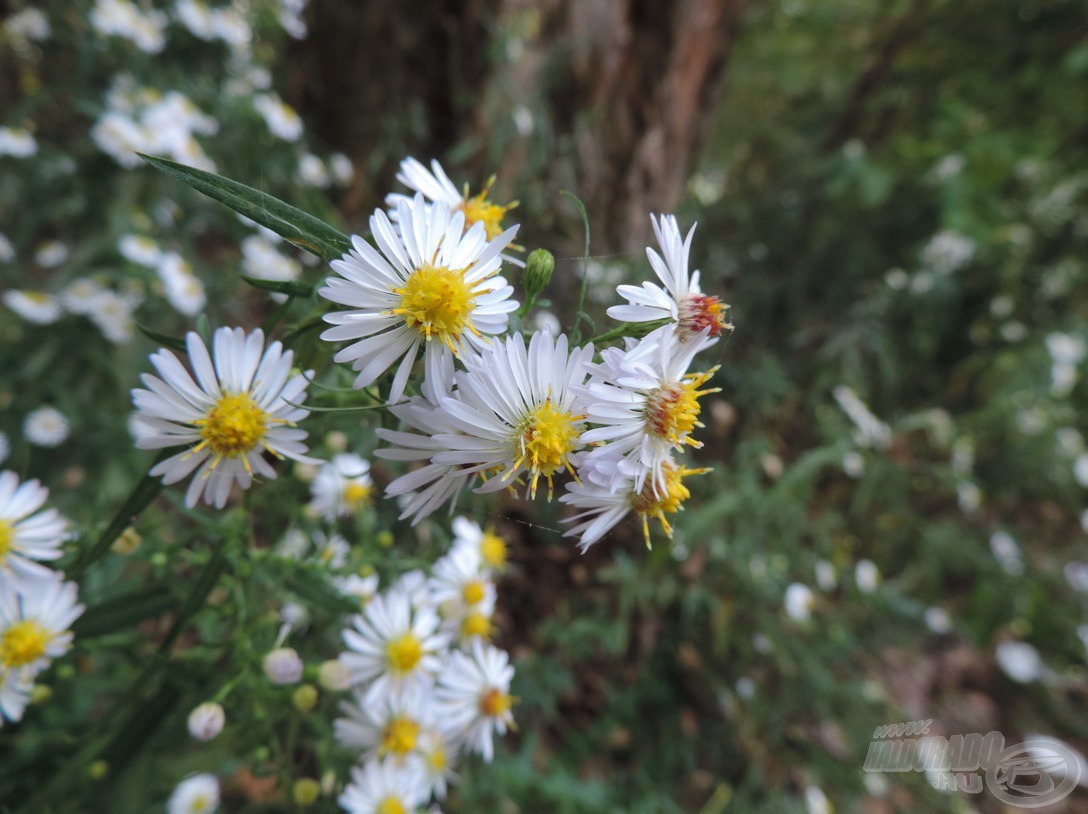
x: 304, y: 698
x: 305, y: 791
x: 538, y: 273
x: 98, y: 770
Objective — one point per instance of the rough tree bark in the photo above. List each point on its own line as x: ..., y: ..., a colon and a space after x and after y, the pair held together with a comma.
x: 630, y: 88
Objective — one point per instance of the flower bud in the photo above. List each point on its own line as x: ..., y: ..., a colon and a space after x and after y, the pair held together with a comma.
x: 538, y: 273
x: 305, y: 698
x: 41, y: 694
x: 127, y: 543
x: 283, y: 666
x: 305, y: 791
x: 98, y: 769
x: 206, y: 721
x: 334, y: 675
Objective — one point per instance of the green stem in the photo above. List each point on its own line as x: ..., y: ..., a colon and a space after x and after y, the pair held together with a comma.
x: 580, y: 314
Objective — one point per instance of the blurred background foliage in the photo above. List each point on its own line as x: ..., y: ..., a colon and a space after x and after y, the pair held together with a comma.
x: 891, y: 193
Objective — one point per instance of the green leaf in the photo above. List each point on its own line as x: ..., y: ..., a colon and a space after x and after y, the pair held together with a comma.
x: 296, y: 226
x: 291, y: 288
x: 167, y: 341
x: 124, y: 611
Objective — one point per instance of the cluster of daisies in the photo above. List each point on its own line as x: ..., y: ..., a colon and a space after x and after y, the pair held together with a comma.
x: 425, y: 682
x: 493, y: 410
x: 37, y: 605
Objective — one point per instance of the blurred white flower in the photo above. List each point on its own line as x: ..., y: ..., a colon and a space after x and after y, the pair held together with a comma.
x: 871, y: 431
x: 949, y: 167
x: 7, y: 251
x: 145, y: 28
x: 947, y: 251
x: 826, y: 577
x: 139, y: 249
x: 35, y: 307
x: 206, y: 721
x: 17, y: 142
x: 312, y: 171
x: 853, y: 464
x: 198, y: 794
x: 282, y: 120
x: 798, y: 602
x: 867, y: 576
x: 51, y: 254
x: 1080, y: 469
x: 1007, y: 553
x: 896, y: 279
x: 1076, y: 574
x: 112, y: 312
x: 968, y: 496
x: 183, y: 289
x: 1020, y: 661
x: 45, y: 427
x: 816, y: 801
x: 30, y: 24
x: 938, y: 620
x: 341, y: 169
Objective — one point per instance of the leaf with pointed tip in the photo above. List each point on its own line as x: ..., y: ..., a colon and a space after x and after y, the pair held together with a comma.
x: 291, y: 288
x: 294, y: 225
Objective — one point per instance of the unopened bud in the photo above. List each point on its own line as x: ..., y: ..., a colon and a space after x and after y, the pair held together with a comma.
x: 538, y: 272
x: 305, y: 698
x: 334, y: 675
x: 305, y: 791
x: 283, y: 666
x: 206, y: 721
x: 98, y: 770
x: 41, y: 694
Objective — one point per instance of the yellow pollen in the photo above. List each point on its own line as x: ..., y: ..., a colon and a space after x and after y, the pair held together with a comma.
x: 651, y: 502
x: 672, y: 410
x: 404, y: 653
x: 234, y: 426
x: 475, y: 624
x: 437, y: 759
x: 545, y: 439
x: 493, y: 550
x: 391, y: 805
x: 199, y: 804
x: 7, y: 538
x: 495, y: 703
x: 437, y: 302
x: 23, y: 643
x: 478, y: 209
x: 36, y: 296
x: 399, y: 736
x: 472, y: 592
x: 355, y: 493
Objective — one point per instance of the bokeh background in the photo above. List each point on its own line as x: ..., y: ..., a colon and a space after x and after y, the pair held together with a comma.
x: 893, y: 196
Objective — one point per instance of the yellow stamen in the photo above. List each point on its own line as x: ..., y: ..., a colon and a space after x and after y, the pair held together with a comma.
x: 23, y: 643
x: 656, y: 503
x: 438, y: 303
x: 545, y: 440
x: 698, y: 312
x: 672, y: 410
x: 472, y: 592
x: 355, y: 493
x: 234, y: 426
x: 495, y: 703
x: 493, y: 550
x: 478, y: 209
x: 399, y: 736
x: 475, y: 624
x: 391, y: 805
x: 7, y: 538
x: 404, y: 653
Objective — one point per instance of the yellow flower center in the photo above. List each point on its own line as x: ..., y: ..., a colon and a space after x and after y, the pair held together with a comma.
x: 437, y: 302
x: 652, y: 503
x: 437, y: 759
x: 472, y: 591
x: 7, y: 538
x: 475, y: 624
x: 698, y: 312
x: 545, y: 439
x: 672, y: 410
x: 234, y: 426
x: 36, y: 296
x: 478, y: 209
x: 391, y: 805
x: 493, y: 550
x: 200, y: 803
x: 399, y: 736
x: 23, y: 643
x: 495, y: 703
x: 404, y: 653
x: 355, y: 493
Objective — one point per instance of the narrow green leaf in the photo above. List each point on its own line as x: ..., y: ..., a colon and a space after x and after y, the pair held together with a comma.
x: 580, y: 314
x: 167, y: 341
x: 636, y: 330
x: 292, y: 288
x: 294, y: 225
x: 123, y: 612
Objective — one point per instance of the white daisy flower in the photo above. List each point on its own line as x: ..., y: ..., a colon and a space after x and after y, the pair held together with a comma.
x: 235, y: 409
x: 51, y: 254
x: 602, y: 504
x: 331, y: 550
x: 384, y: 788
x: 433, y: 285
x: 7, y: 250
x: 473, y: 696
x: 436, y: 187
x: 389, y: 726
x: 34, y: 622
x: 36, y: 307
x: 394, y: 641
x: 30, y: 24
x: 436, y: 758
x: 140, y: 249
x: 681, y: 301
x: 16, y: 142
x: 26, y: 533
x: 80, y: 295
x: 281, y: 118
x: 183, y: 289
x: 46, y: 427
x: 198, y: 794
x: 646, y: 405
x: 516, y: 411
x: 357, y: 587
x: 491, y: 547
x: 463, y: 593
x: 293, y: 546
x: 341, y: 486
x: 112, y: 312
x: 799, y: 601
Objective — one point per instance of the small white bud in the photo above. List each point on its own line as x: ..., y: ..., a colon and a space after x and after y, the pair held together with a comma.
x: 283, y: 666
x: 334, y: 675
x: 206, y: 721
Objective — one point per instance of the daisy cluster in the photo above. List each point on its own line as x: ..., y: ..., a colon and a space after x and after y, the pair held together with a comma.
x: 425, y: 683
x: 37, y: 605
